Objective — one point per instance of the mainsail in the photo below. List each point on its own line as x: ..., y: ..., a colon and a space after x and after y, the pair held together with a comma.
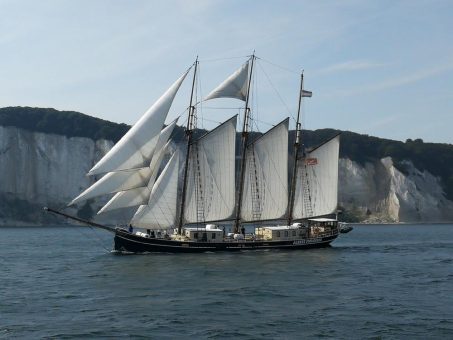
x: 160, y: 212
x: 136, y: 148
x: 210, y: 194
x: 266, y: 176
x: 317, y: 181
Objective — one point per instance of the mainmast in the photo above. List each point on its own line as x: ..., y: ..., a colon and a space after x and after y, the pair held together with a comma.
x: 245, y: 128
x: 297, y: 144
x: 189, y: 130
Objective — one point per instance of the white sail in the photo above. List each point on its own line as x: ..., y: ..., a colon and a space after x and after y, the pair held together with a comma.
x: 128, y: 198
x: 129, y: 179
x: 136, y: 147
x: 265, y: 194
x: 210, y: 184
x: 160, y: 212
x: 235, y: 86
x: 317, y: 181
x: 162, y: 146
x: 114, y: 182
x: 139, y: 195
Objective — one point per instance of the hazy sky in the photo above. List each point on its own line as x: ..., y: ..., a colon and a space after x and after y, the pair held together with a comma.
x: 382, y: 68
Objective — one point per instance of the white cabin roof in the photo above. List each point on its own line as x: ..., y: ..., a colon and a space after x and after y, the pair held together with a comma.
x: 322, y: 219
x: 203, y: 229
x: 282, y: 227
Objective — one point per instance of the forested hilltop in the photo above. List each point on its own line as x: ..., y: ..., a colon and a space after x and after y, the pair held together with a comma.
x: 65, y: 123
x: 436, y: 158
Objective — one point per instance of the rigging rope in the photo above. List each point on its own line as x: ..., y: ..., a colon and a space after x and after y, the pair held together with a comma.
x: 278, y: 66
x: 266, y: 123
x: 220, y: 59
x: 223, y: 108
x: 100, y: 240
x: 278, y: 94
x: 210, y: 120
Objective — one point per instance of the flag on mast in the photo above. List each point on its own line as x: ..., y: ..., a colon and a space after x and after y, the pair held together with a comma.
x: 306, y: 93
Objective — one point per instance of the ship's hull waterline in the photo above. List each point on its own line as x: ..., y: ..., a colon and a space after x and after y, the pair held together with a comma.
x: 126, y: 242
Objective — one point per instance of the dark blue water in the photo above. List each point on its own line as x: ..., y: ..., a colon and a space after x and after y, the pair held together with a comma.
x: 380, y: 282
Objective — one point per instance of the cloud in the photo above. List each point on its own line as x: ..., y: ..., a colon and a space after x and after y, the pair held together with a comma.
x: 382, y: 123
x: 402, y: 80
x: 352, y: 65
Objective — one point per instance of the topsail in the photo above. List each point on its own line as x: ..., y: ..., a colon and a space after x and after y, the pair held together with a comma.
x: 235, y: 86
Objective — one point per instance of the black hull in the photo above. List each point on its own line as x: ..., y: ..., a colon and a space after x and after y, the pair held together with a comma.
x: 126, y: 242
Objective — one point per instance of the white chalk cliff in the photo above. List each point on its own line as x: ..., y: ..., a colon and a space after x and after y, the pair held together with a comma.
x: 39, y: 169
x: 379, y: 192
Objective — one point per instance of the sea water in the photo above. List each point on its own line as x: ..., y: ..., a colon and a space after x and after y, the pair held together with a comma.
x: 380, y: 282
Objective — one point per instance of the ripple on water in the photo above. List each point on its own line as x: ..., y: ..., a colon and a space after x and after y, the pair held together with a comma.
x: 374, y: 283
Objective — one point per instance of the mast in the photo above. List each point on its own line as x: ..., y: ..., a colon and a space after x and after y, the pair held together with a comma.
x: 190, y: 127
x: 297, y: 144
x: 244, y: 145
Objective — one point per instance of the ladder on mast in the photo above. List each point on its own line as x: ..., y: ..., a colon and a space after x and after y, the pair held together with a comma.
x: 308, y: 211
x: 256, y: 198
x: 198, y: 187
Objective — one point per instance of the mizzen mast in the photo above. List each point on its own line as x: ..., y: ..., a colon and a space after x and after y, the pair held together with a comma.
x: 297, y: 146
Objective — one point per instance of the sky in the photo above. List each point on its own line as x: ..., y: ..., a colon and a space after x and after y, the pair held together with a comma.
x: 382, y: 68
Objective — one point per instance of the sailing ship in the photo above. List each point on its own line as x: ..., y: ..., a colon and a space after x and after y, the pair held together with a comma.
x: 204, y: 199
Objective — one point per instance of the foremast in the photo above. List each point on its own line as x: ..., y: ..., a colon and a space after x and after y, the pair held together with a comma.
x: 245, y: 134
x: 189, y: 134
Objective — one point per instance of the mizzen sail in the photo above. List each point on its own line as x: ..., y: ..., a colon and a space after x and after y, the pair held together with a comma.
x: 317, y: 181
